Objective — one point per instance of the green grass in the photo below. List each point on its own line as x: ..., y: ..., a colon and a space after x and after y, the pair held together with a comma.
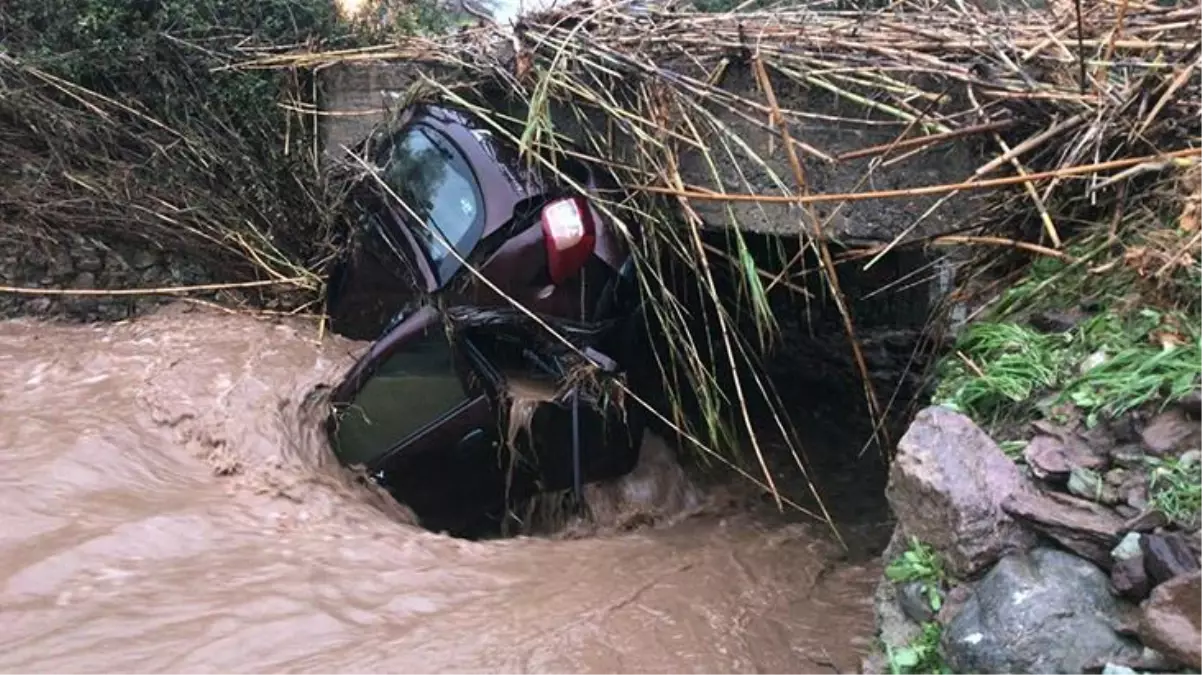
x: 922, y: 655
x: 1124, y: 356
x: 1176, y: 490
x: 920, y: 563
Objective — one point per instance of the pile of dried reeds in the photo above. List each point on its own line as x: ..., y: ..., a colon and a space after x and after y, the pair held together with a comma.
x: 117, y: 125
x: 1071, y: 111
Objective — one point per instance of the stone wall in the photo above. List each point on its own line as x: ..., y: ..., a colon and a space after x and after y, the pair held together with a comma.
x: 81, y: 263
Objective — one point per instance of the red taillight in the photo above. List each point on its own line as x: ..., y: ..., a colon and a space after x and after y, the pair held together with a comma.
x: 570, y: 233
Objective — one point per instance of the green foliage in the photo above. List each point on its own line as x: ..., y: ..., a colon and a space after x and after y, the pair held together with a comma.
x: 920, y: 563
x: 1176, y: 490
x: 1126, y: 356
x: 411, y: 17
x: 1106, y: 367
x: 148, y: 133
x: 113, y: 46
x: 922, y: 655
x: 1007, y: 364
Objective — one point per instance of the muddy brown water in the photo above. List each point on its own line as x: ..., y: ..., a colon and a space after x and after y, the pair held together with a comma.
x: 169, y: 504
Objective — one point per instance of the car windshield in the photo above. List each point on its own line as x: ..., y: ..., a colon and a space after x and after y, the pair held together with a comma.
x: 430, y: 174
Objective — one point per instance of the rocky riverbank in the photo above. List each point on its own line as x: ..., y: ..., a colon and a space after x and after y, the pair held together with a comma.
x: 1036, y: 567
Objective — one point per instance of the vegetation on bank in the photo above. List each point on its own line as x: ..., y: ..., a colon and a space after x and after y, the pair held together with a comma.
x: 1113, y: 348
x: 1111, y: 327
x: 921, y: 655
x: 127, y: 123
x: 133, y: 122
x: 919, y: 563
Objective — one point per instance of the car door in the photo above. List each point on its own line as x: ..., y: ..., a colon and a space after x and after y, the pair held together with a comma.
x: 414, y: 412
x: 596, y: 441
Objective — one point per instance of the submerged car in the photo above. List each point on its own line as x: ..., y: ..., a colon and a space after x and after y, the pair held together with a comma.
x: 462, y: 416
x: 463, y: 411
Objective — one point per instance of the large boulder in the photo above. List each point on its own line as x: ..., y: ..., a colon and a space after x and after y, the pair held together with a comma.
x: 1045, y: 611
x: 1172, y: 620
x: 946, y: 487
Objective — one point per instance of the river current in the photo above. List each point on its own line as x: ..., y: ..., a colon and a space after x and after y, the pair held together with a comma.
x: 170, y: 504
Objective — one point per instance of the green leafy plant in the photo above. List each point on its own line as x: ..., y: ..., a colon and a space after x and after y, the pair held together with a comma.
x: 1111, y: 364
x: 920, y: 563
x: 1176, y: 490
x: 1013, y: 449
x: 922, y: 655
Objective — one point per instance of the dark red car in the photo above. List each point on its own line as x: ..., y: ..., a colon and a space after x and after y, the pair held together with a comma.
x: 536, y: 240
x: 428, y: 410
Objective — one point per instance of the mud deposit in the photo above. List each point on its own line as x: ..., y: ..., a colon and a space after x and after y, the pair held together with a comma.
x: 169, y: 505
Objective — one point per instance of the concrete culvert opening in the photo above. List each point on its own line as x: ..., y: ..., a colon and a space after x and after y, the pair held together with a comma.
x: 813, y: 385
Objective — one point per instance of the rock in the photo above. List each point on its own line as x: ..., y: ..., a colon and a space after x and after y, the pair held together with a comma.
x: 1087, y: 484
x: 1100, y: 438
x: 89, y: 261
x: 1128, y: 576
x: 1114, y: 669
x: 1150, y: 659
x: 1172, y: 620
x: 1057, y: 321
x: 1169, y: 432
x: 1128, y: 547
x: 912, y: 596
x: 1128, y: 456
x: 1167, y: 556
x: 59, y: 264
x: 151, y: 276
x: 144, y: 259
x: 1088, y: 529
x: 947, y: 485
x: 1134, y: 489
x: 1116, y: 477
x: 1188, y: 459
x: 1054, y: 458
x: 1126, y: 512
x: 1040, y: 612
x: 84, y: 280
x: 1146, y: 521
x: 953, y: 603
x: 1192, y: 404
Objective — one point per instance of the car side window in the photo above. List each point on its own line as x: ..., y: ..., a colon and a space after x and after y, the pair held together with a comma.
x: 414, y: 387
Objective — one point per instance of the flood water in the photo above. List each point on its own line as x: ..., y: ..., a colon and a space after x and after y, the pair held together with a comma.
x: 169, y: 504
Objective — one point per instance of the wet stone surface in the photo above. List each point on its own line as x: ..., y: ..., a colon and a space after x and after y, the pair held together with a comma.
x: 1046, y: 611
x: 948, y: 484
x: 88, y: 265
x: 1172, y: 620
